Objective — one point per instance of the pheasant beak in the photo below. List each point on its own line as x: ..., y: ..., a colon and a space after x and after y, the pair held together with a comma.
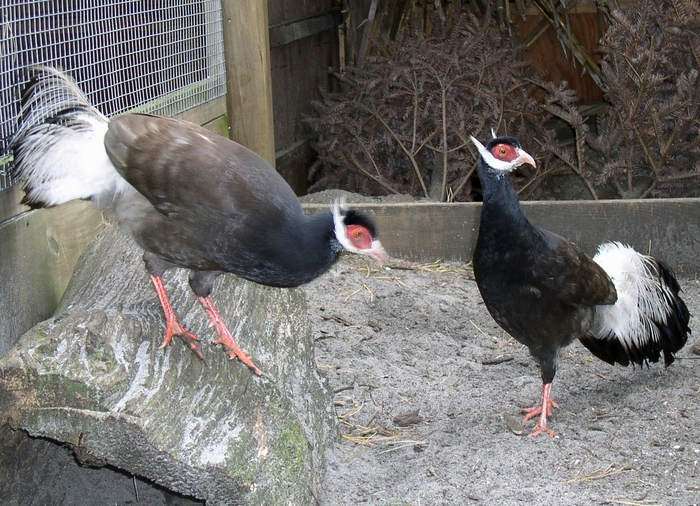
x: 524, y: 157
x: 377, y: 252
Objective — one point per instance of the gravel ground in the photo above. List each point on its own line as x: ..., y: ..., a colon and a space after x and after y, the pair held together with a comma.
x: 429, y: 391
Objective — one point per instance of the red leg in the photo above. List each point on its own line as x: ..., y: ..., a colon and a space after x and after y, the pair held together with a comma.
x: 544, y: 410
x: 172, y: 324
x: 225, y: 337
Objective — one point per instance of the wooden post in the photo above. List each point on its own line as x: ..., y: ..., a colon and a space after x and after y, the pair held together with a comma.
x: 248, y: 75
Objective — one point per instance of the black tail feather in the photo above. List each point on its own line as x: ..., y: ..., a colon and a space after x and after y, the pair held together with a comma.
x: 608, y: 350
x: 673, y: 329
x: 612, y: 351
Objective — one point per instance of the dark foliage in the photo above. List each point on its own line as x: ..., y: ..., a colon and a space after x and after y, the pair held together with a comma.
x: 403, y: 125
x: 650, y: 138
x: 570, y: 149
x: 647, y: 141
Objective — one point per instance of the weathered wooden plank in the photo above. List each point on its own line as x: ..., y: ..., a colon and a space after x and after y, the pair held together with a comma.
x: 545, y: 54
x: 287, y: 32
x: 249, y: 81
x: 38, y: 251
x: 205, y: 112
x: 290, y: 159
x: 299, y: 70
x: 10, y: 206
x: 666, y: 228
x: 367, y: 33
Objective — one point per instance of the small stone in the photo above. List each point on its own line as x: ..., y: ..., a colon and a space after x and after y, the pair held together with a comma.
x: 407, y: 418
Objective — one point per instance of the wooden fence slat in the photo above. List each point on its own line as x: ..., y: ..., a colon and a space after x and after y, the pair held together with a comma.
x: 285, y: 33
x: 249, y: 79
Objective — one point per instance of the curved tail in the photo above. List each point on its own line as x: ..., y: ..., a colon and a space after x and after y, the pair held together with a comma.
x: 649, y: 318
x: 58, y: 146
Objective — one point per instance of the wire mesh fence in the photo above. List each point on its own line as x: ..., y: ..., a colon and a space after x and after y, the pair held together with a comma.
x: 157, y: 56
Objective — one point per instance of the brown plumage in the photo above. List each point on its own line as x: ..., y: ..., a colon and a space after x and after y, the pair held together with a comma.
x: 189, y: 197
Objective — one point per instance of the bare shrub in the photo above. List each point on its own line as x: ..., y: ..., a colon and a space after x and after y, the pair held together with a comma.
x: 647, y: 142
x: 650, y: 139
x: 404, y: 124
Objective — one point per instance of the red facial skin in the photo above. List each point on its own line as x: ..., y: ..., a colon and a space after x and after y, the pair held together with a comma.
x: 504, y: 152
x: 359, y: 236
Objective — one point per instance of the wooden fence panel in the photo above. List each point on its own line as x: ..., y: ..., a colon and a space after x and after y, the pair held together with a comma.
x: 304, y: 44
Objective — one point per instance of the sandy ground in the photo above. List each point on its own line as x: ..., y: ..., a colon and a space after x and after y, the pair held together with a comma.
x: 428, y: 392
x: 429, y: 389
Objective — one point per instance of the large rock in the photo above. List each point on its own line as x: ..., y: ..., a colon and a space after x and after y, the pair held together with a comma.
x: 93, y: 376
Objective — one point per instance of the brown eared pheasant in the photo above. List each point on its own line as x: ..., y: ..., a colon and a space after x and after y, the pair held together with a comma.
x: 546, y: 292
x: 190, y: 198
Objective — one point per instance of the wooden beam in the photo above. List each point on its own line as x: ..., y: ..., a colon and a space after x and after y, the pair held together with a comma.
x: 666, y: 228
x: 38, y: 251
x: 367, y: 33
x: 249, y: 77
x: 284, y: 33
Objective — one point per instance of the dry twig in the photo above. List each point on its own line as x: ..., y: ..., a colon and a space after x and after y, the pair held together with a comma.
x: 599, y: 474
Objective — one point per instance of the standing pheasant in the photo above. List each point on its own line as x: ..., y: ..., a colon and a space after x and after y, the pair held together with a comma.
x: 546, y: 292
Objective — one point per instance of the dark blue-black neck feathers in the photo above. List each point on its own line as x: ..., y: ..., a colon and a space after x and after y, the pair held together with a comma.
x: 299, y: 252
x: 499, y: 195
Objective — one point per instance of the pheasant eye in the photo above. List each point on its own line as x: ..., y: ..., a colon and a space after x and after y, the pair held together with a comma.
x: 359, y: 236
x: 504, y: 152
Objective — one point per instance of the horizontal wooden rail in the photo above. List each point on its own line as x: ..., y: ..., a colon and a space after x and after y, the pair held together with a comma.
x: 666, y: 228
x: 284, y: 33
x: 39, y: 249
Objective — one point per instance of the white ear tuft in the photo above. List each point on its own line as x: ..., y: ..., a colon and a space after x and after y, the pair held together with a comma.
x: 479, y: 146
x: 337, y: 206
x: 342, y: 202
x: 493, y: 133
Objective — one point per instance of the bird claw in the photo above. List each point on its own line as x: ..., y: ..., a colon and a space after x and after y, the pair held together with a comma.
x: 531, y: 413
x: 225, y: 338
x: 541, y: 430
x: 191, y: 343
x: 188, y: 338
x: 544, y: 409
x: 540, y: 426
x: 234, y: 352
x: 537, y: 410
